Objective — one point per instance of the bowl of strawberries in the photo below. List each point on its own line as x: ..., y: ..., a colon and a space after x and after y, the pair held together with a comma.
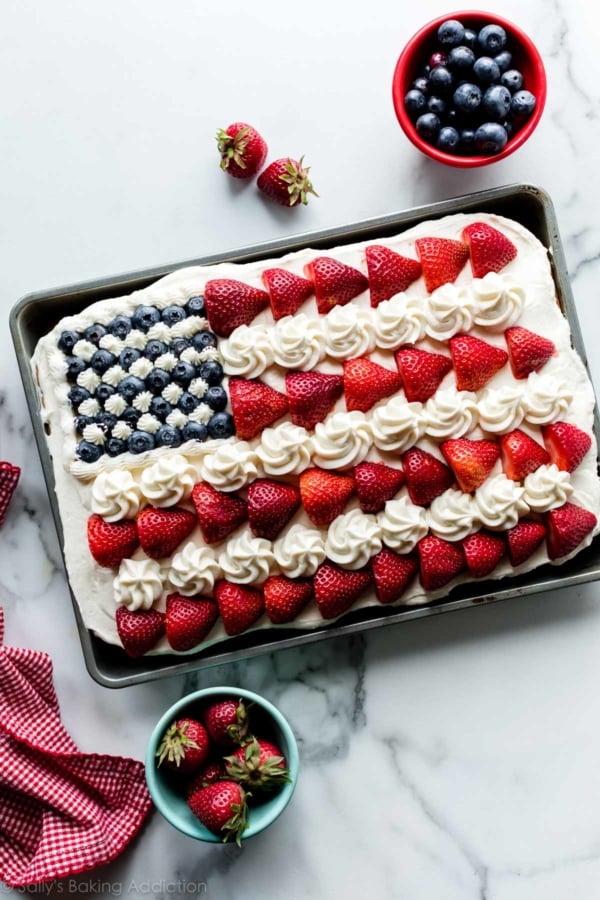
x: 222, y: 764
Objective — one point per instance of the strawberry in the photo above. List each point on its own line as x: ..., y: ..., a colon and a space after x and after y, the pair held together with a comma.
x: 9, y: 477
x: 184, y: 746
x: 490, y: 250
x: 566, y: 444
x: 442, y: 260
x: 475, y: 361
x: 324, y: 494
x: 311, y: 395
x: 226, y: 722
x: 219, y: 513
x: 521, y: 455
x: 389, y: 272
x: 240, y: 606
x: 111, y: 542
x: 375, y: 484
x: 254, y: 406
x: 188, y: 620
x: 140, y: 630
x: 231, y: 303
x: 440, y: 561
x: 208, y: 774
x: 335, y: 282
x: 286, y: 597
x: 567, y: 526
x: 162, y: 530
x: 426, y: 477
x: 524, y: 539
x: 259, y: 765
x: 286, y: 290
x: 527, y: 351
x: 336, y: 589
x: 286, y: 182
x: 392, y: 574
x: 243, y: 150
x: 421, y: 372
x: 271, y: 505
x: 483, y: 551
x: 471, y: 461
x: 222, y: 808
x: 366, y: 382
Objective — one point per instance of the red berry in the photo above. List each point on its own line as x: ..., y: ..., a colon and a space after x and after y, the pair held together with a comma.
x: 188, y: 620
x: 271, y: 505
x: 490, y: 250
x: 162, y: 530
x: 521, y: 455
x: 243, y: 150
x: 422, y: 372
x: 567, y: 527
x: 219, y: 513
x: 475, y: 361
x: 483, y: 551
x: 566, y: 444
x: 471, y: 461
x: 442, y: 260
x: 259, y: 765
x: 226, y: 722
x: 523, y: 540
x: 440, y: 561
x: 528, y: 352
x: 240, y: 606
x: 311, y: 395
x: 111, y: 542
x: 286, y: 181
x: 139, y: 630
x: 222, y: 808
x: 231, y: 303
x: 324, y: 494
x: 392, y: 574
x: 286, y: 597
x: 184, y: 746
x: 426, y: 477
x: 254, y: 406
x: 286, y: 290
x: 366, y: 382
x: 335, y: 283
x: 375, y: 484
x: 336, y: 589
x: 389, y: 273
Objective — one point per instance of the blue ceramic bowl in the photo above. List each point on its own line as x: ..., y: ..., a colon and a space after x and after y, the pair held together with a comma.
x: 173, y: 805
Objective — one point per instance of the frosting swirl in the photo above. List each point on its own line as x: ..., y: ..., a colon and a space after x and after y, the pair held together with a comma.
x: 138, y: 584
x: 547, y: 488
x: 450, y: 413
x: 231, y: 466
x: 116, y: 495
x: 247, y: 560
x: 399, y: 320
x: 453, y: 515
x: 397, y: 425
x: 546, y: 398
x: 194, y: 570
x: 168, y: 481
x: 501, y: 409
x: 349, y: 332
x: 402, y: 524
x: 285, y: 449
x: 353, y: 538
x: 500, y: 502
x: 298, y: 342
x: 343, y: 440
x: 300, y: 552
x: 499, y: 301
x: 247, y: 352
x: 451, y: 310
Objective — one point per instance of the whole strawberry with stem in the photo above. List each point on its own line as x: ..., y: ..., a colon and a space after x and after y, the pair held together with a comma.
x: 227, y: 722
x: 258, y: 764
x: 184, y: 747
x: 286, y: 181
x: 222, y: 808
x: 243, y: 150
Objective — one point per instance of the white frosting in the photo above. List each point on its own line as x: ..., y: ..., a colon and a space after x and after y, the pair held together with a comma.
x: 498, y: 301
x: 546, y: 398
x: 353, y: 538
x: 399, y: 320
x: 342, y: 440
x: 300, y: 551
x: 114, y: 376
x: 148, y: 423
x: 138, y: 584
x: 84, y: 350
x: 160, y: 331
x: 248, y: 351
x: 285, y: 450
x: 194, y: 570
x: 500, y: 502
x: 89, y: 407
x: 136, y: 339
x: 230, y: 467
x: 349, y: 332
x: 122, y: 431
x: 116, y: 495
x: 172, y: 392
x: 547, y: 488
x: 115, y: 404
x: 453, y: 515
x: 166, y: 361
x: 141, y: 367
x: 451, y: 309
x: 247, y: 559
x: 88, y: 380
x: 198, y: 387
x: 142, y: 401
x: 94, y: 434
x: 176, y: 418
x: 168, y: 481
x: 402, y: 524
x: 397, y: 425
x: 501, y: 410
x: 202, y: 414
x: 450, y: 413
x: 111, y: 343
x: 298, y: 342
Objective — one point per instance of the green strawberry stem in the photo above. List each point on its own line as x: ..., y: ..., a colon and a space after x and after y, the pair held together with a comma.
x: 237, y: 824
x: 266, y: 775
x: 298, y: 182
x: 232, y: 148
x: 174, y: 744
x: 238, y: 731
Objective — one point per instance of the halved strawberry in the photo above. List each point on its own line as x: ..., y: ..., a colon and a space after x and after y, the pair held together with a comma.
x: 393, y: 573
x: 271, y: 505
x: 475, y: 361
x: 567, y: 527
x: 524, y: 539
x: 442, y: 260
x: 162, y: 530
x: 483, y: 551
x: 521, y: 455
x: 254, y: 405
x: 311, y: 395
x: 324, y: 494
x: 566, y: 444
x: 139, y: 630
x: 335, y: 282
x: 471, y: 461
x: 188, y: 620
x: 375, y: 484
x: 422, y: 372
x: 286, y: 597
x: 366, y: 382
x: 231, y: 303
x: 336, y: 589
x: 389, y: 272
x: 239, y: 604
x: 527, y: 351
x: 440, y: 561
x: 9, y: 478
x: 287, y: 291
x: 111, y: 542
x: 426, y: 477
x: 218, y: 513
x: 490, y: 249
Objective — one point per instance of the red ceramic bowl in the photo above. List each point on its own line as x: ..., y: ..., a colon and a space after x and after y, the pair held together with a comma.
x: 416, y: 53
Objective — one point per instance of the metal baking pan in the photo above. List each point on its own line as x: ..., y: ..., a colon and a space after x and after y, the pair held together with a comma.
x: 37, y: 313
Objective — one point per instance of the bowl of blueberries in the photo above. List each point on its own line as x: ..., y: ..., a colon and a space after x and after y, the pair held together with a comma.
x: 469, y: 88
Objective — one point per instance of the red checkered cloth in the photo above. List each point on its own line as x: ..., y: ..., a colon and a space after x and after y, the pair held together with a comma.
x: 61, y: 811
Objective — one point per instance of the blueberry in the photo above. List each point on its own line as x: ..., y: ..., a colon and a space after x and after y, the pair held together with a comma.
x: 187, y: 403
x: 437, y: 106
x: 451, y: 33
x: 130, y: 387
x: 128, y: 356
x: 438, y: 58
x: 154, y: 349
x: 414, y: 102
x: 120, y: 326
x: 427, y: 126
x: 130, y: 416
x: 448, y: 139
x: 67, y: 341
x: 195, y: 306
x: 179, y: 345
x: 77, y: 395
x: 93, y: 333
x: 421, y: 84
x: 522, y: 103
x: 75, y: 366
x: 145, y: 317
x: 486, y: 70
x: 212, y: 372
x: 512, y: 79
x: 183, y: 373
x: 221, y: 425
x: 467, y: 141
x: 115, y: 446
x: 160, y: 408
x: 490, y: 138
x: 194, y: 431
x: 503, y: 60
x: 140, y: 441
x: 467, y: 97
x: 157, y: 380
x: 102, y: 360
x: 81, y: 422
x: 461, y: 58
x: 470, y: 38
x: 496, y: 101
x: 88, y: 452
x: 492, y: 38
x: 204, y: 339
x: 440, y: 80
x: 167, y: 436
x: 106, y: 420
x: 216, y: 397
x: 509, y: 128
x: 173, y: 314
x: 103, y: 392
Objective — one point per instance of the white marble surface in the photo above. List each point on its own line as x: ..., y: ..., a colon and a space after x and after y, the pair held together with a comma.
x: 450, y: 758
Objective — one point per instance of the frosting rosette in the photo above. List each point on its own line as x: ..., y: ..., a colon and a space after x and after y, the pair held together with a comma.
x: 342, y: 440
x: 547, y: 488
x: 546, y: 398
x: 231, y: 466
x: 399, y: 320
x: 450, y: 413
x: 138, y: 584
x: 116, y: 495
x: 297, y: 342
x: 353, y: 538
x: 300, y: 552
x: 397, y: 425
x: 349, y: 332
x: 501, y: 503
x: 498, y: 302
x: 247, y: 352
x: 194, y: 570
x: 451, y: 309
x: 402, y: 524
x: 285, y: 449
x: 247, y: 559
x: 168, y: 480
x: 453, y: 515
x: 501, y: 409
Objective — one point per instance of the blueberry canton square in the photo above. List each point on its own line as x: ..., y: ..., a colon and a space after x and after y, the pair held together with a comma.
x: 152, y: 379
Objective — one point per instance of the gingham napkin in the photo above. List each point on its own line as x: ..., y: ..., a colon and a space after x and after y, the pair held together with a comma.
x: 61, y: 811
